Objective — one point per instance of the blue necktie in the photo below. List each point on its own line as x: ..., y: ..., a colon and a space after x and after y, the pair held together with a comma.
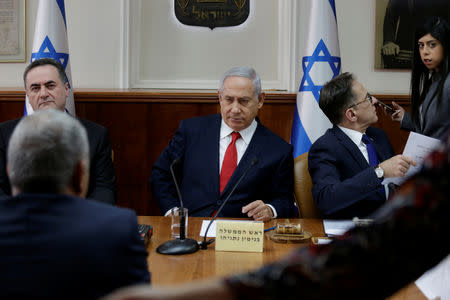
x: 373, y: 158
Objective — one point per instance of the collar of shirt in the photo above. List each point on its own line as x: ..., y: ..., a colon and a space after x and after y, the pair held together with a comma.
x: 246, y: 134
x: 356, y: 138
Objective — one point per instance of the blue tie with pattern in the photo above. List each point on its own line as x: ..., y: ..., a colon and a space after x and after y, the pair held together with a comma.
x: 373, y: 158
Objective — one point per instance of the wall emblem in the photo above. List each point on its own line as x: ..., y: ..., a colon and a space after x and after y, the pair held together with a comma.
x: 212, y: 13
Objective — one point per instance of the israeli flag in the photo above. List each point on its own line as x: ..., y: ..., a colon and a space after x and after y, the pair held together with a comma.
x: 50, y: 41
x: 320, y: 62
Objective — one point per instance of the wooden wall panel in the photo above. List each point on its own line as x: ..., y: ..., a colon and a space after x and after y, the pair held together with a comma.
x: 142, y: 122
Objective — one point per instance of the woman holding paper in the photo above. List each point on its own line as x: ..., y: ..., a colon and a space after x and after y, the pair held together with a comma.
x: 430, y: 81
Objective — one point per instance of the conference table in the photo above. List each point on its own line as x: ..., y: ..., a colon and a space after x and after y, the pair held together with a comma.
x: 176, y: 269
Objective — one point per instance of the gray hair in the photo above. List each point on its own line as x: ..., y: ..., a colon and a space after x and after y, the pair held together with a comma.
x: 44, y: 150
x: 246, y: 72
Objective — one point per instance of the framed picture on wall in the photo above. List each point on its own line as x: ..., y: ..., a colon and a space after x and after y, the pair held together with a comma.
x: 396, y: 21
x: 12, y: 31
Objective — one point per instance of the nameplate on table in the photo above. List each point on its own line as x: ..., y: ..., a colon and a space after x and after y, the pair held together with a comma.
x: 239, y: 236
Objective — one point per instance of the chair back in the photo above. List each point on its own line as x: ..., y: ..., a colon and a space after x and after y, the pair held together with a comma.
x: 303, y: 189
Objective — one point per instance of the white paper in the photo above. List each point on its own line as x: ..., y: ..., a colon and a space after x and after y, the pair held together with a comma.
x: 323, y: 241
x: 417, y: 148
x: 337, y: 227
x: 212, y: 229
x: 436, y: 282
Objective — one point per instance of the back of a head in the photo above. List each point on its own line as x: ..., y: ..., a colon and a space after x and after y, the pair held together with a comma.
x: 246, y: 72
x: 335, y: 96
x: 44, y: 150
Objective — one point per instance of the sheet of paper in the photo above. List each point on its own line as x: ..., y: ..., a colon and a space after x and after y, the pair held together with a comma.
x: 323, y: 241
x: 337, y: 227
x: 417, y: 147
x: 212, y: 229
x: 436, y: 282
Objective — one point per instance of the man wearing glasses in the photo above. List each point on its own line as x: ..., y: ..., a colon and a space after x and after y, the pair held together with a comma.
x: 349, y: 162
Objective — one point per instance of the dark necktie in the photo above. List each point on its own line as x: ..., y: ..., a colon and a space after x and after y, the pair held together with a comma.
x: 229, y: 161
x: 373, y: 158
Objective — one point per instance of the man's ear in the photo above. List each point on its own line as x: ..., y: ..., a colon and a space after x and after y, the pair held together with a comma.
x: 66, y: 89
x: 350, y: 115
x: 261, y: 98
x: 80, y: 179
x: 14, y: 190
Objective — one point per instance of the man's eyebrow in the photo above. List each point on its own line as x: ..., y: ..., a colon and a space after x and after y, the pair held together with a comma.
x: 245, y: 98
x: 37, y: 84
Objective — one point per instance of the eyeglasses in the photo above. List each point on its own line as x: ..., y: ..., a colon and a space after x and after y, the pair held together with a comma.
x: 368, y: 97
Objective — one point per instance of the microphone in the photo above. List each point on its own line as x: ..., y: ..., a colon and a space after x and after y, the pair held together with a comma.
x: 204, y: 244
x: 181, y: 245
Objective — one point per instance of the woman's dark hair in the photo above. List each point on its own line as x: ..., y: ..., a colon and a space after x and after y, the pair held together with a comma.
x: 437, y: 27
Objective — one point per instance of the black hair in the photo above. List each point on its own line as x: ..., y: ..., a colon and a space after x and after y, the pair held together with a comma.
x: 437, y: 27
x: 336, y: 95
x: 43, y: 62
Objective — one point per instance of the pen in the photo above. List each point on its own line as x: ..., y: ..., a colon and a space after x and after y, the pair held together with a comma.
x: 387, y: 107
x: 270, y: 228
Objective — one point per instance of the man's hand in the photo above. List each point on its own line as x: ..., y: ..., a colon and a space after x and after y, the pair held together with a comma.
x: 390, y: 48
x: 396, y: 166
x: 258, y: 210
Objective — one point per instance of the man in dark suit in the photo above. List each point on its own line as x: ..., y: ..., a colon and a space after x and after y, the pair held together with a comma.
x: 368, y: 262
x: 349, y: 162
x: 54, y: 244
x: 46, y: 87
x: 210, y: 147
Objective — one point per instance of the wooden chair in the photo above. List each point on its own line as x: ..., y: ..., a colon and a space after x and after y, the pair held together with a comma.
x: 303, y: 189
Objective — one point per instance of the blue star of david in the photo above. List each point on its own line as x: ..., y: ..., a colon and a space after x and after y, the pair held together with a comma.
x: 48, y: 51
x: 307, y: 84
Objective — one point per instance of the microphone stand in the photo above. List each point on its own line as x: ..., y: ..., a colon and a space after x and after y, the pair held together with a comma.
x: 204, y: 244
x: 181, y: 245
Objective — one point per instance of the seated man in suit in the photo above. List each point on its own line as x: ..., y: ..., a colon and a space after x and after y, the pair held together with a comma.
x: 349, y: 162
x: 46, y: 87
x: 366, y: 263
x: 216, y: 151
x: 54, y: 244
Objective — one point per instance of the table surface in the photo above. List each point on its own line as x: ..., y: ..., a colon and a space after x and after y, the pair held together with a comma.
x: 175, y: 269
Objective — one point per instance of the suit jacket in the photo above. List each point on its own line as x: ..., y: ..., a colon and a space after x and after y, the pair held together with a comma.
x: 62, y: 247
x: 196, y: 143
x: 102, y: 177
x: 344, y: 184
x: 369, y: 262
x: 436, y: 117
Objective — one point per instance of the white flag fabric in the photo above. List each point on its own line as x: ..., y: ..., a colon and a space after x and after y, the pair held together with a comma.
x: 50, y: 41
x: 320, y: 62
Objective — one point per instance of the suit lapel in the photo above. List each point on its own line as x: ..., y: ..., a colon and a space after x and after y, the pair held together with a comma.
x: 351, y: 147
x: 212, y: 158
x: 432, y: 92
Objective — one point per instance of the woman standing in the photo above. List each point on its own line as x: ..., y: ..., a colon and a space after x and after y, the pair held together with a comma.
x: 430, y: 81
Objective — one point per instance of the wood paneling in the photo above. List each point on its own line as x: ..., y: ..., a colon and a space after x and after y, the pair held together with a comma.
x: 142, y: 122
